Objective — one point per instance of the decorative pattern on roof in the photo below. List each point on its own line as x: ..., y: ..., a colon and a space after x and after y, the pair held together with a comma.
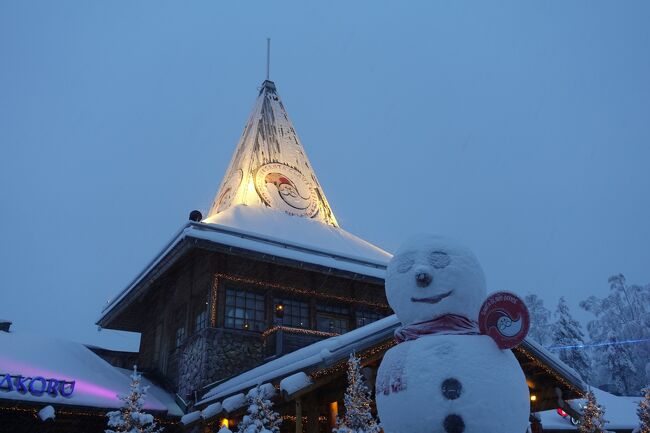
x: 270, y: 167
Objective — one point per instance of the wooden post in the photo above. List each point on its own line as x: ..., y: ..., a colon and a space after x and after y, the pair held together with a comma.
x: 298, y: 415
x: 312, y: 415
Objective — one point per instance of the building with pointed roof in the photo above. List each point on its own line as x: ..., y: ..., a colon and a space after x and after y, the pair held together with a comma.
x: 266, y: 289
x: 266, y: 272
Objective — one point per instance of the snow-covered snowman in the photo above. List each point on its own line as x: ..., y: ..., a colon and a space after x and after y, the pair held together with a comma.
x: 443, y: 376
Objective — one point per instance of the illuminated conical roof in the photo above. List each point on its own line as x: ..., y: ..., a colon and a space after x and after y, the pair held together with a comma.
x: 270, y: 167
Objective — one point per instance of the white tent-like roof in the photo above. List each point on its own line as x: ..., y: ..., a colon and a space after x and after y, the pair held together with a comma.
x: 270, y: 167
x: 39, y: 366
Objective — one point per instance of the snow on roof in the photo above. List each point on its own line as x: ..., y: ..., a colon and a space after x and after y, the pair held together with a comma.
x: 300, y: 231
x: 620, y: 412
x: 96, y: 382
x: 233, y: 403
x: 550, y: 359
x: 295, y: 382
x: 278, y: 234
x: 191, y: 417
x: 211, y: 410
x: 333, y: 349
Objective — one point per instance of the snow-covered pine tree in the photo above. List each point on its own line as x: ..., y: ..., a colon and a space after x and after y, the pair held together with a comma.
x: 540, y: 317
x: 619, y: 364
x: 358, y: 418
x: 643, y: 412
x: 224, y: 429
x: 626, y: 309
x: 592, y: 416
x: 261, y: 418
x: 131, y: 419
x: 567, y: 333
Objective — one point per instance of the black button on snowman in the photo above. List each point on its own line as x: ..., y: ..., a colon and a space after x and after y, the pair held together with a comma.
x: 446, y: 375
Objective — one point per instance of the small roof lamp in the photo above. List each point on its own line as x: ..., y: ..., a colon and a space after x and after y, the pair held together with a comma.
x: 279, y: 310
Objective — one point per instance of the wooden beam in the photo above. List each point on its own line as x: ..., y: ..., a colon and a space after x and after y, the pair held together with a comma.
x: 298, y: 415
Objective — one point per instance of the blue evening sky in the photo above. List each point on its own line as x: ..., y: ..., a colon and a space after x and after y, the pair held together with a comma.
x: 520, y: 127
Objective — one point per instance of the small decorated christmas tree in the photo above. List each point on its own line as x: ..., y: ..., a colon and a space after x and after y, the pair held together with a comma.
x: 131, y: 419
x: 592, y: 416
x: 644, y: 412
x: 358, y: 418
x: 261, y: 418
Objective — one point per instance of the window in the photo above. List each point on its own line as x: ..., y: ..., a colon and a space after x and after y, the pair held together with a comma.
x: 180, y: 327
x: 296, y: 313
x: 180, y: 335
x: 245, y: 310
x: 332, y: 318
x: 201, y: 320
x: 157, y: 340
x: 366, y: 316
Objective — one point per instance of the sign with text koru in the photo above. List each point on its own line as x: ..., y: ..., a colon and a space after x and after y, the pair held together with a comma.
x: 505, y: 318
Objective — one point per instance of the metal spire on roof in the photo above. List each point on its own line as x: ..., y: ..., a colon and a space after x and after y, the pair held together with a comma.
x: 268, y: 58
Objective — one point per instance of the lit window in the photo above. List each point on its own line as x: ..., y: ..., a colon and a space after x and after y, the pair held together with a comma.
x: 296, y: 313
x: 245, y: 310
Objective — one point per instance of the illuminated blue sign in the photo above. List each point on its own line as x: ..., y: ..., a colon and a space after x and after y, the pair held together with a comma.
x: 36, y: 386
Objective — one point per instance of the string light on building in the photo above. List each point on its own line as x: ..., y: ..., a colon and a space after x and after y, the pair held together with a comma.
x: 293, y: 290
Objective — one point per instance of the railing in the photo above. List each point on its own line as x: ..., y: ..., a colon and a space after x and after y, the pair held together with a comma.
x: 280, y: 340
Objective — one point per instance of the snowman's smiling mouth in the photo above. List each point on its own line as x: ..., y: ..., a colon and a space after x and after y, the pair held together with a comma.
x: 432, y: 299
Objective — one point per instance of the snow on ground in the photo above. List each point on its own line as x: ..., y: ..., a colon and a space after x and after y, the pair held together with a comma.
x: 96, y: 382
x: 619, y: 411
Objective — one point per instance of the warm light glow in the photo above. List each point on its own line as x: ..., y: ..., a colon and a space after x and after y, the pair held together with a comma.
x: 251, y: 190
x: 225, y: 423
x: 334, y: 413
x: 533, y: 397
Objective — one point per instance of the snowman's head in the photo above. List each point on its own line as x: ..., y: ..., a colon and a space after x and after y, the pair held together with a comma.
x: 430, y: 276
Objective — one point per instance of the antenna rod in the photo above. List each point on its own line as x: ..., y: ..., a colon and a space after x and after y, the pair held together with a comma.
x: 268, y: 57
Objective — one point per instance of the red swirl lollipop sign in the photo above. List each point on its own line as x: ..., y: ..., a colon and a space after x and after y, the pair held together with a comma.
x: 505, y: 318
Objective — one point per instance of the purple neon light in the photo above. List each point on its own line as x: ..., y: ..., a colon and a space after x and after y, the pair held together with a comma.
x: 83, y: 388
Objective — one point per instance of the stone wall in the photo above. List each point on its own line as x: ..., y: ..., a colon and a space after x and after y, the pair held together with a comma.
x: 214, y: 354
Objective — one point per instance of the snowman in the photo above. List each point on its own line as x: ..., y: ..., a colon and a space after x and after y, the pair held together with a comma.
x: 443, y: 376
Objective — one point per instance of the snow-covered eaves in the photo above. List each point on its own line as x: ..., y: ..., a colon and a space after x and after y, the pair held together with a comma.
x: 50, y: 371
x: 547, y: 358
x: 330, y: 351
x: 294, y: 239
x: 320, y: 354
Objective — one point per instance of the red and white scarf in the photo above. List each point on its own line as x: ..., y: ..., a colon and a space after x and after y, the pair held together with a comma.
x: 448, y: 324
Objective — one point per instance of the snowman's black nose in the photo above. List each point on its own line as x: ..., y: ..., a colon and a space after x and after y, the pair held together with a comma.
x: 423, y: 279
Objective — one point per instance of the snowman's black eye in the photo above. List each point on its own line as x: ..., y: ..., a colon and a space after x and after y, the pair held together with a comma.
x: 439, y: 259
x: 405, y: 265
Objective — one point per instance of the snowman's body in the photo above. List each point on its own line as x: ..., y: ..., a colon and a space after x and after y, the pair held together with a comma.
x: 451, y: 381
x: 441, y: 382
